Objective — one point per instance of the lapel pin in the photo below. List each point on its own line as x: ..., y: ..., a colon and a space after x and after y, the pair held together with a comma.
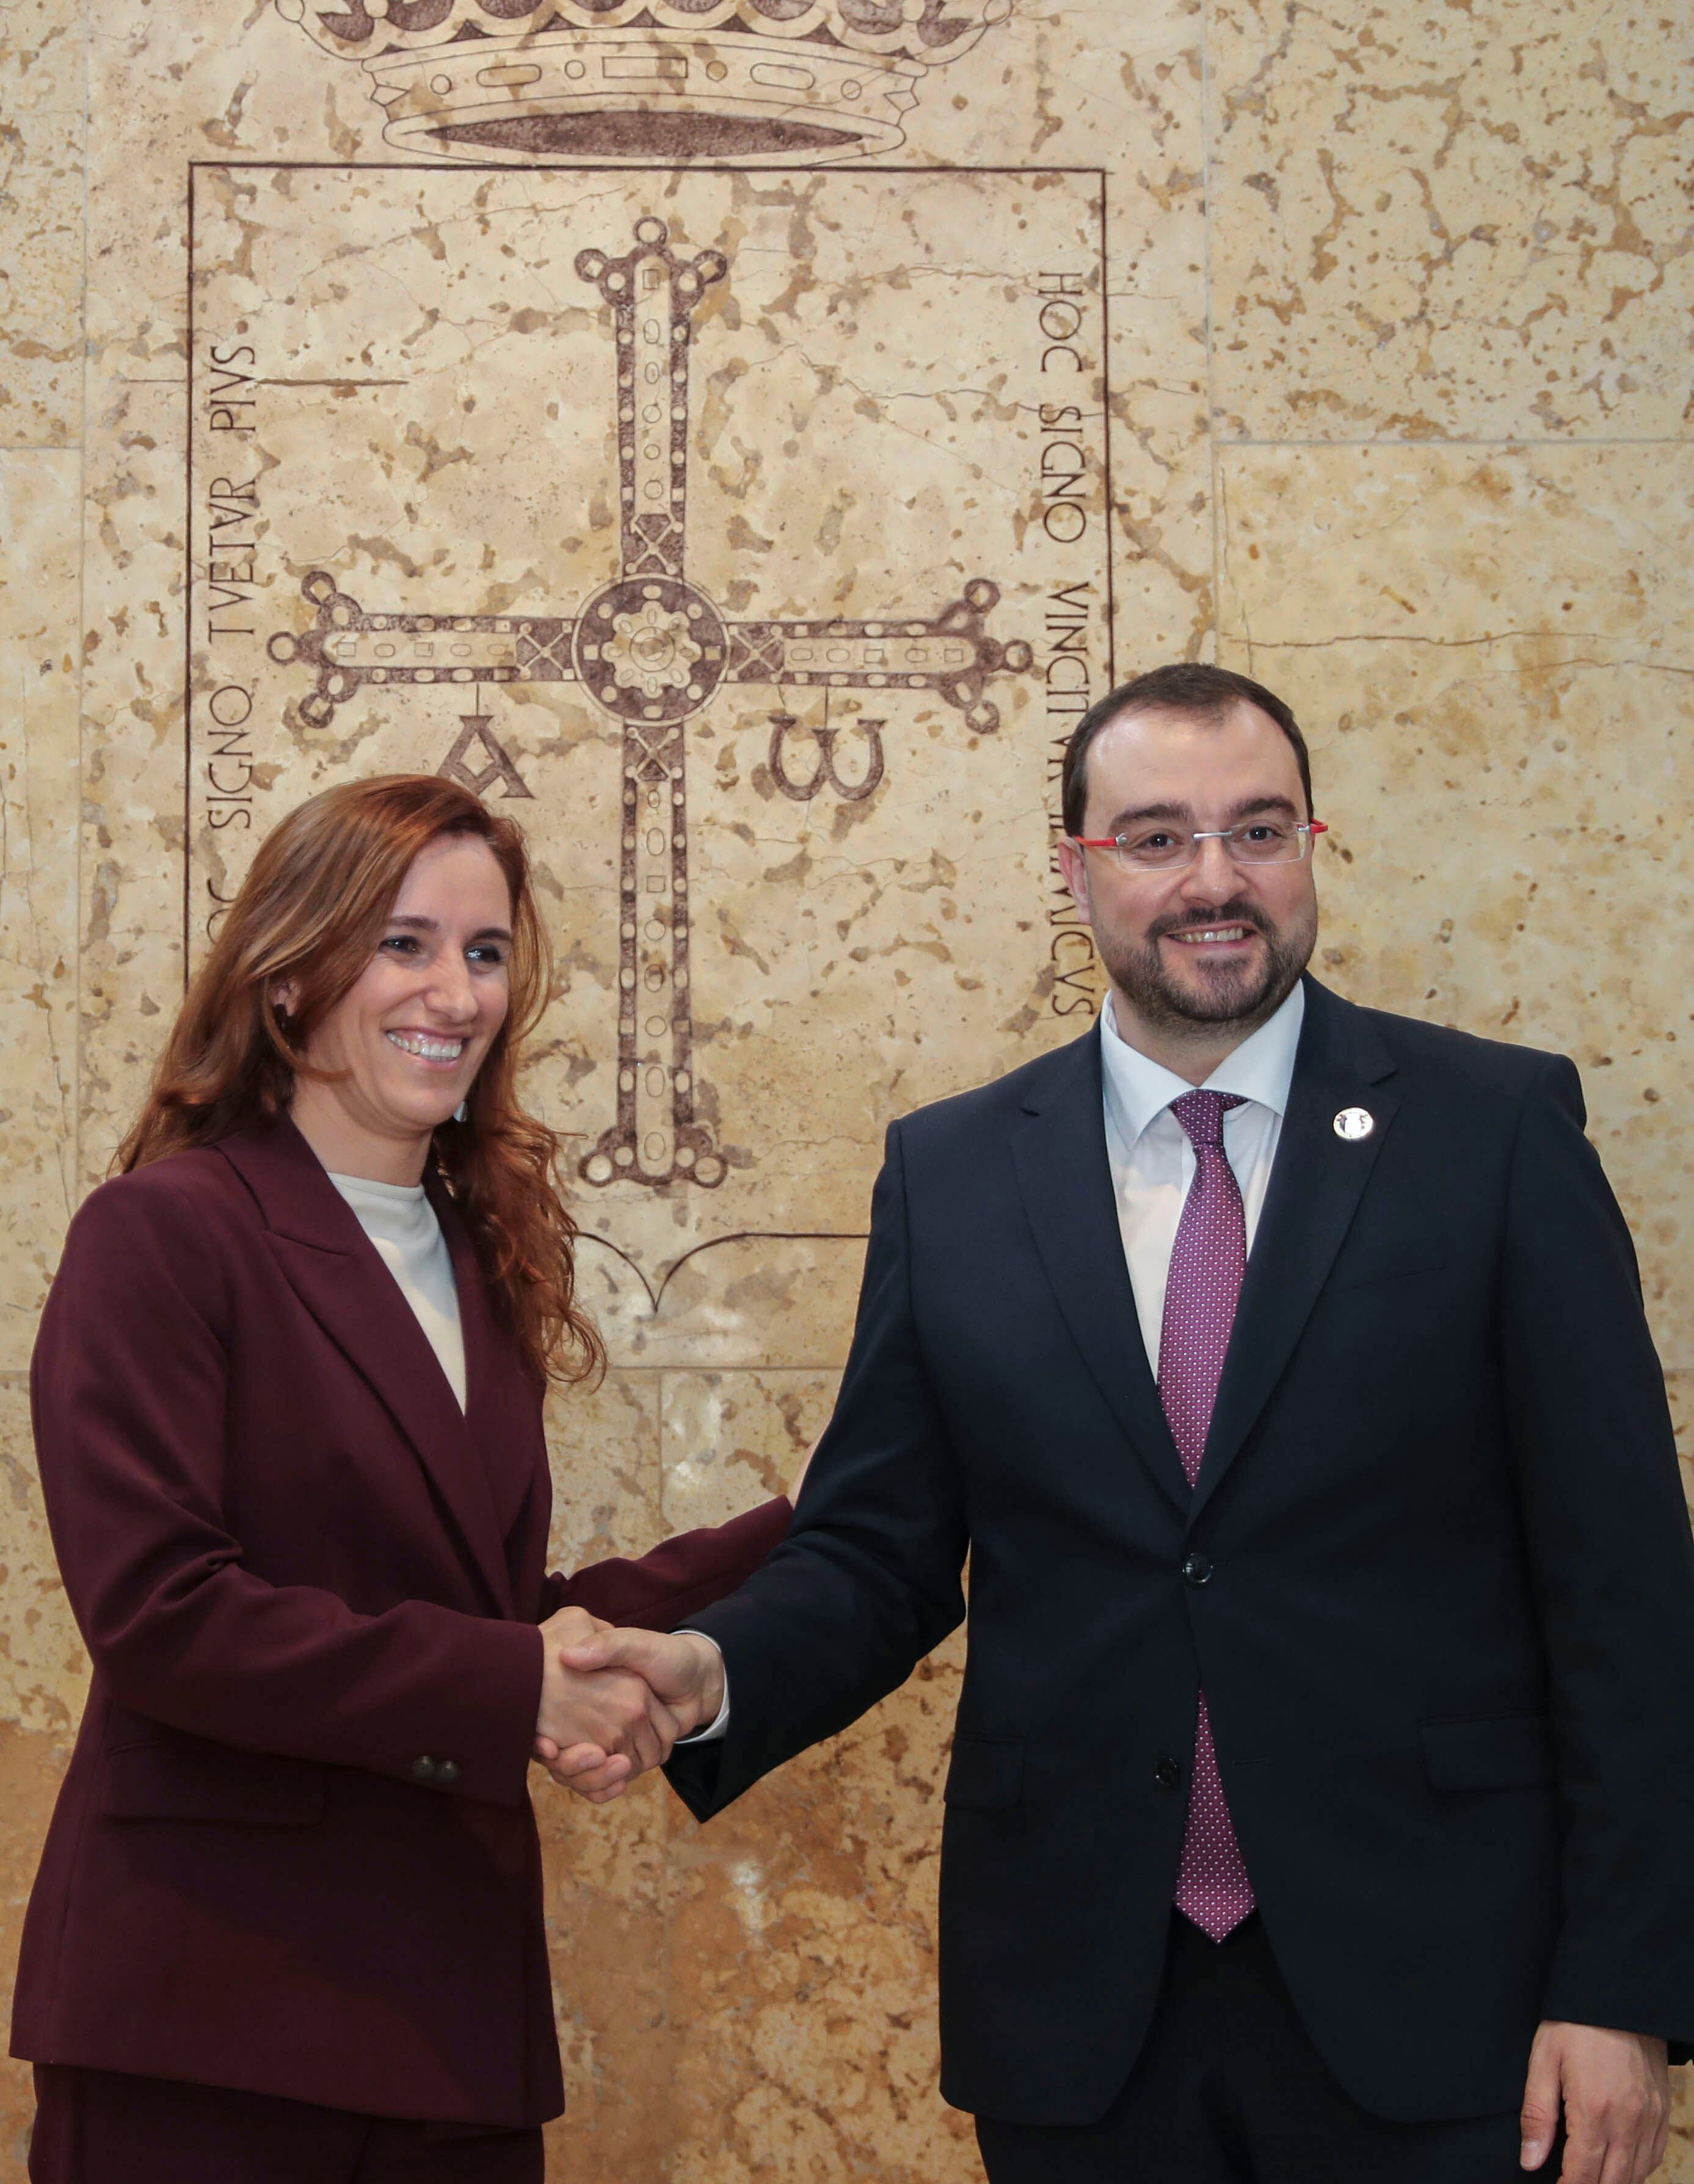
x: 1353, y: 1124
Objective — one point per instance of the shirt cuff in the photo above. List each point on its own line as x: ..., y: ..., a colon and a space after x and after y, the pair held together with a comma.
x: 717, y: 1728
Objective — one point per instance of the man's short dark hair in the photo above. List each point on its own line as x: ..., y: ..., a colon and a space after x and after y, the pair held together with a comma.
x: 1187, y: 686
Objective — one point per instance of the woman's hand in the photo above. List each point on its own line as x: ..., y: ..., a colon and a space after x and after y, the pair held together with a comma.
x: 596, y: 1730
x: 572, y: 1626
x: 683, y: 1668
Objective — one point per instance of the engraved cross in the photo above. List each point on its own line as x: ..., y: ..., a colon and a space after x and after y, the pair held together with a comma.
x: 651, y: 650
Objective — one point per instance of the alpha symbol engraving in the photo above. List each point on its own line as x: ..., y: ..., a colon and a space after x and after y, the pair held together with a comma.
x: 477, y: 728
x: 651, y: 650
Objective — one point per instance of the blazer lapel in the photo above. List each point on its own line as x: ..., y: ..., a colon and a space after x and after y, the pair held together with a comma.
x: 1316, y: 1186
x: 475, y: 1323
x: 334, y: 1270
x: 500, y: 1408
x: 1065, y: 1180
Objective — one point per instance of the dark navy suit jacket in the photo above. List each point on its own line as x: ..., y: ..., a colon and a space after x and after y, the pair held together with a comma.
x: 1436, y: 1578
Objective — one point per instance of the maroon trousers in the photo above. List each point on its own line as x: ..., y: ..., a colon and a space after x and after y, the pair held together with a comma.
x: 104, y: 2127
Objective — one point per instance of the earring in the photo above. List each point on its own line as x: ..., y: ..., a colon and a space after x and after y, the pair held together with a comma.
x: 461, y: 1112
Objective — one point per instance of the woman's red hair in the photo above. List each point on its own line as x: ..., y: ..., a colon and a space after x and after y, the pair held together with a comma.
x: 310, y: 915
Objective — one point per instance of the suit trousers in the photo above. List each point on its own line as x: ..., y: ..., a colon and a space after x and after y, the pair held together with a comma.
x: 1230, y: 2090
x: 104, y: 2127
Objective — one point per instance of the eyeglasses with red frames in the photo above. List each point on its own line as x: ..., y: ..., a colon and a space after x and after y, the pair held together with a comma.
x: 1159, y: 849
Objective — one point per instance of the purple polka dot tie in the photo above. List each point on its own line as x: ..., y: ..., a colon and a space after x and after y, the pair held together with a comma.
x: 1207, y: 1262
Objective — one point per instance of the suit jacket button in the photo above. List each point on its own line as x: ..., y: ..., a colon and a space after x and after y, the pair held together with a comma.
x: 1167, y: 1774
x: 1196, y: 1569
x: 423, y: 1768
x: 446, y: 1772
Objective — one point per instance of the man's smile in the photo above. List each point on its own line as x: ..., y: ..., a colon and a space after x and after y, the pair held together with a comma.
x: 1213, y: 936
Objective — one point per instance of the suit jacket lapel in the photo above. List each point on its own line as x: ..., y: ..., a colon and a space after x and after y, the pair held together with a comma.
x: 1315, y: 1189
x: 476, y: 1322
x: 500, y: 1405
x: 1065, y: 1180
x: 334, y: 1270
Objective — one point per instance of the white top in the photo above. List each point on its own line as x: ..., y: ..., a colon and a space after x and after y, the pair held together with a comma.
x: 401, y: 1223
x: 1152, y: 1159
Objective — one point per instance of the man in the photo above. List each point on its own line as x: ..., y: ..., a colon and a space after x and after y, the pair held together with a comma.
x: 1321, y: 1797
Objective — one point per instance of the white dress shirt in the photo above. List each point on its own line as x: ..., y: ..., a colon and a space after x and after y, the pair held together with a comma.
x: 400, y: 1221
x: 1152, y: 1160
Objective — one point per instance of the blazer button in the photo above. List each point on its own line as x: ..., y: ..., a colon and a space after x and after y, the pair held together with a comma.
x: 423, y: 1768
x: 1167, y: 1774
x: 1196, y: 1569
x: 446, y: 1772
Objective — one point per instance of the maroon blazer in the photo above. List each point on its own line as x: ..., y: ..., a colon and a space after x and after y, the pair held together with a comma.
x: 294, y: 1852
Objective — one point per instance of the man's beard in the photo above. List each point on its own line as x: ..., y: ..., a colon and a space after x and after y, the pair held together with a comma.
x: 1229, y: 993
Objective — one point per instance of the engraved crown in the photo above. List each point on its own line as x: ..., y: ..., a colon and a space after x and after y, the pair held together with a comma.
x: 647, y: 82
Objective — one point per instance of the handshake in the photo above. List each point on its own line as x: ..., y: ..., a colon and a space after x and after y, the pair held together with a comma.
x: 614, y: 1701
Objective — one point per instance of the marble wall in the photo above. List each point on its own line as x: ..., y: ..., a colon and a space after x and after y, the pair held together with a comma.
x: 741, y: 433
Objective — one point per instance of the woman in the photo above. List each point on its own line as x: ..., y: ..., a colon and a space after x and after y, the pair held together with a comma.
x: 287, y: 1926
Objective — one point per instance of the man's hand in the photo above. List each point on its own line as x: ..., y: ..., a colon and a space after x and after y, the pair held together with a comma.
x: 1615, y: 2092
x: 683, y: 1674
x: 597, y: 1729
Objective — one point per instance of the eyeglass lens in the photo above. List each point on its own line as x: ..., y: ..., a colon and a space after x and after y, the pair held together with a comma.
x: 1262, y: 843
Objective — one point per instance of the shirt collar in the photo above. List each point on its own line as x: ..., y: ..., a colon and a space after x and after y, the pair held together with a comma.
x: 1137, y: 1089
